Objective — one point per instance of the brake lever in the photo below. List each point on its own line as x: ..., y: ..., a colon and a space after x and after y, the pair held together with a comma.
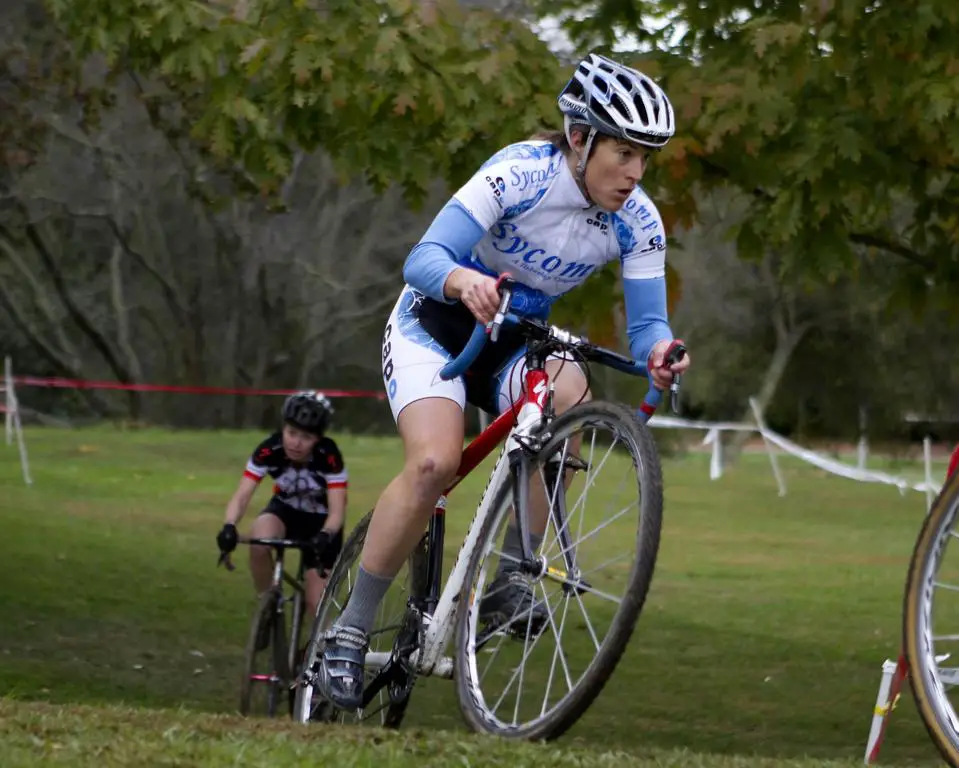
x: 504, y: 284
x: 674, y: 353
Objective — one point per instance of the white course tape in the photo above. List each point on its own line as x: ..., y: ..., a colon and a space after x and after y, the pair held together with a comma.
x: 713, y: 437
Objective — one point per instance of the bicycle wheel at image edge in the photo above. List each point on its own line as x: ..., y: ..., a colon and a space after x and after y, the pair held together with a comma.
x: 648, y: 475
x: 390, y: 709
x: 273, y: 676
x: 934, y: 708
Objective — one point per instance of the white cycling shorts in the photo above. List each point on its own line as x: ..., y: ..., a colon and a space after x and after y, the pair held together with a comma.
x: 412, y: 360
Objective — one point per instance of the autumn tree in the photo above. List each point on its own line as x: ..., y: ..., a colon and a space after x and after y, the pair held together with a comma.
x: 399, y: 92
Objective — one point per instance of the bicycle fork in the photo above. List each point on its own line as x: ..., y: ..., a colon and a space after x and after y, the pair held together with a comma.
x: 554, y: 472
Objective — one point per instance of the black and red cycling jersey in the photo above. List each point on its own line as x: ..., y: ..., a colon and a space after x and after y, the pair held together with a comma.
x: 301, y: 487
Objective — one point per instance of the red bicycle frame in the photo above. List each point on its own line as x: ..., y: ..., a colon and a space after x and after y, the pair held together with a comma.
x: 536, y: 381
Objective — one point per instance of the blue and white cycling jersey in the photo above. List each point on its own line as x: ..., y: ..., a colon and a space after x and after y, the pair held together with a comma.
x: 522, y: 212
x: 541, y: 228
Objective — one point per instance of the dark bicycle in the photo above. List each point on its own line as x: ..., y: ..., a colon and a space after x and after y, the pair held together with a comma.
x: 273, y: 650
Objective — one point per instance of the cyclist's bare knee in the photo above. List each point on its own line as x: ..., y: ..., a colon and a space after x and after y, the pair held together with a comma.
x: 432, y: 432
x: 265, y: 526
x: 430, y: 470
x: 315, y: 585
x: 570, y: 386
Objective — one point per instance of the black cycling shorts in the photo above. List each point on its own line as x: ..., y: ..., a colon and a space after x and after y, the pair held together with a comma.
x: 305, y: 525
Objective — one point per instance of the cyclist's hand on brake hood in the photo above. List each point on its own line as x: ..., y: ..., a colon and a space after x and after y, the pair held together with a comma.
x: 663, y: 377
x: 227, y: 538
x: 476, y: 290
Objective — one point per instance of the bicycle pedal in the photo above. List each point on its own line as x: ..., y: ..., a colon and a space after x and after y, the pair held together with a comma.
x: 308, y: 675
x: 516, y: 631
x: 575, y: 463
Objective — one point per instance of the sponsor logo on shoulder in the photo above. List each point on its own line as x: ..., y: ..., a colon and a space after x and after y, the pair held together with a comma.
x: 655, y: 243
x: 600, y: 220
x: 499, y: 188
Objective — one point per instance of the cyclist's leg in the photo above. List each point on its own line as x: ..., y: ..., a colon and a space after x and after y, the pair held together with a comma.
x: 509, y: 592
x: 317, y: 572
x: 315, y: 583
x: 267, y: 525
x: 429, y: 415
x: 432, y: 434
x: 302, y: 526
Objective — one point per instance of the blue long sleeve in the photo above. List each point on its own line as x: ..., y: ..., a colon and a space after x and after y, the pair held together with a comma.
x: 646, y: 321
x: 443, y: 247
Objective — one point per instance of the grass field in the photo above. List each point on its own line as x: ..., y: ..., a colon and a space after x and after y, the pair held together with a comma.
x: 121, y: 643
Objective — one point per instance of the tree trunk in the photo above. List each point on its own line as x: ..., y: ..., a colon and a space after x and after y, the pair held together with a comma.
x: 786, y: 343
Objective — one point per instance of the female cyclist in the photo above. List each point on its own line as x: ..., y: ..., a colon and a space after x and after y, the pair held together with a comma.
x: 549, y: 211
x: 308, y: 502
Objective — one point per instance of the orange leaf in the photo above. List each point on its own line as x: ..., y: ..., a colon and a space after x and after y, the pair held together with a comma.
x: 402, y: 103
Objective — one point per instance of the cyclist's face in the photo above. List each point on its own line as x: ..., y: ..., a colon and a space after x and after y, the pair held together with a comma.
x: 297, y: 443
x: 614, y: 169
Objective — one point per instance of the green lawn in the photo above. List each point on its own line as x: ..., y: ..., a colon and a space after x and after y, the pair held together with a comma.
x: 761, y: 642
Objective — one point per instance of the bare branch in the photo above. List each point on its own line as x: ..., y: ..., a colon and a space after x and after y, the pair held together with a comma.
x: 170, y: 292
x: 877, y: 241
x: 121, y: 311
x: 79, y: 317
x: 41, y: 298
x: 56, y: 358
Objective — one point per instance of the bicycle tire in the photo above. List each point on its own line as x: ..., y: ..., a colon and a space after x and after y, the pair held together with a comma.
x: 621, y: 628
x: 294, y: 654
x: 925, y: 685
x: 276, y: 648
x: 352, y: 548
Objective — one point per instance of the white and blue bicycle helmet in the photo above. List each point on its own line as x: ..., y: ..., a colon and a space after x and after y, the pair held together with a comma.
x: 615, y: 100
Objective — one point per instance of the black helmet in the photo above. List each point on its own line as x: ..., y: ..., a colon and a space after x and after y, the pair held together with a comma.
x: 309, y: 411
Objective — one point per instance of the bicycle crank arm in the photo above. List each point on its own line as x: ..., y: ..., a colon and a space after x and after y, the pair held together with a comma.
x: 385, y: 676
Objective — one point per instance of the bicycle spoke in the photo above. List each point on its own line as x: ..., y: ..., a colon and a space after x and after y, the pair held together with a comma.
x: 611, y: 561
x: 560, y: 477
x: 578, y: 586
x: 598, y: 528
x: 581, y: 506
x: 589, y: 624
x: 562, y: 656
x: 552, y: 666
x: 592, y: 473
x: 516, y: 617
x: 522, y: 669
x: 587, y: 483
x: 529, y: 650
x: 528, y: 691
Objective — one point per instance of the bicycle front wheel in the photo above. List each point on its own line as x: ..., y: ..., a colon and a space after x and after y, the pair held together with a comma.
x: 931, y: 622
x: 533, y: 652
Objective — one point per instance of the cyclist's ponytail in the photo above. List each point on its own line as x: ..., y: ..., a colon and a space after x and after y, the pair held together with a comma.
x: 556, y: 138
